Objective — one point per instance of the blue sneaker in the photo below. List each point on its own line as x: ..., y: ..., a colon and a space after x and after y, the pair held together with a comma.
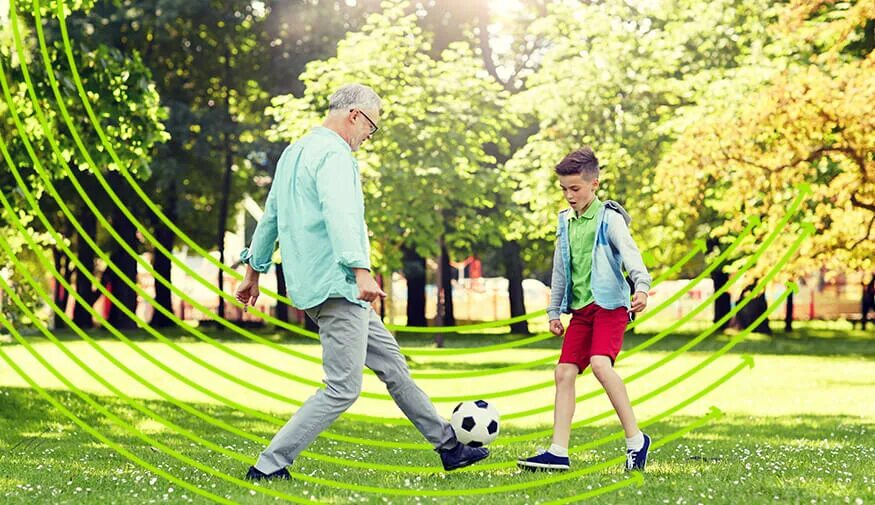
x: 256, y: 474
x: 461, y: 455
x: 544, y: 461
x: 637, y: 460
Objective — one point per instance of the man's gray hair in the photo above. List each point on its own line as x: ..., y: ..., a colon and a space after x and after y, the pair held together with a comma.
x: 353, y: 96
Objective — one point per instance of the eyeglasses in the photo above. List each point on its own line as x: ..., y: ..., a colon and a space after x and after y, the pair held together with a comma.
x: 374, y: 126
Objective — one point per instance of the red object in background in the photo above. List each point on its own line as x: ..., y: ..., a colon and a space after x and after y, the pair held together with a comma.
x: 107, y: 304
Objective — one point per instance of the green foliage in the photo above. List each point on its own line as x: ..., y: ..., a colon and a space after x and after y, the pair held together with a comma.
x: 426, y: 169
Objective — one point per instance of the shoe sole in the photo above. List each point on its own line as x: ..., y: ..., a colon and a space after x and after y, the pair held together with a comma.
x: 544, y: 467
x: 467, y: 462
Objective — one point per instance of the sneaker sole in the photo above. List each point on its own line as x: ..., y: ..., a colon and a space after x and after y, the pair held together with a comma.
x: 546, y: 467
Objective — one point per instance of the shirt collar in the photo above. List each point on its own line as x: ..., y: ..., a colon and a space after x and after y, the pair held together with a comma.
x: 328, y: 132
x: 590, y: 211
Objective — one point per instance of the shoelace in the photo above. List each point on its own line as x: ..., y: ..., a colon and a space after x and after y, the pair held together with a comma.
x: 630, y: 459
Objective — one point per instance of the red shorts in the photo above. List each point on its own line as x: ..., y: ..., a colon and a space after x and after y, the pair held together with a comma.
x: 593, y: 331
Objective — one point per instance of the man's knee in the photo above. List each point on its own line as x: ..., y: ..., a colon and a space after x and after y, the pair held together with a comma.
x: 344, y: 393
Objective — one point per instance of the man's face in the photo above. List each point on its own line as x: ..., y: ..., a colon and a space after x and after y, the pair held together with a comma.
x: 578, y: 190
x: 364, y: 124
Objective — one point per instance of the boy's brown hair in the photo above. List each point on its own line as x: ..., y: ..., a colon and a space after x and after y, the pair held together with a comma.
x: 582, y: 161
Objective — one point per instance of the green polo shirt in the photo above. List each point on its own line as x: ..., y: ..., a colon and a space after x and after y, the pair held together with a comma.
x: 581, y: 239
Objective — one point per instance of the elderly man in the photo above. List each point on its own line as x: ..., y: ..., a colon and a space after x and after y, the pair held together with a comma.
x: 316, y: 209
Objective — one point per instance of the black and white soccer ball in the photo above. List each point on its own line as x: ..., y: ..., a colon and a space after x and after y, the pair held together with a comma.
x: 475, y: 423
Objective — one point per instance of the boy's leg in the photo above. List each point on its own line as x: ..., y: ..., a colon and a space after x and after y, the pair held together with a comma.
x: 604, y: 371
x: 573, y: 359
x: 343, y: 329
x: 566, y: 401
x: 385, y: 359
x: 608, y: 329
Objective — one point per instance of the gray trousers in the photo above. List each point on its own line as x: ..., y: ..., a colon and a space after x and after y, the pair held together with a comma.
x: 353, y: 337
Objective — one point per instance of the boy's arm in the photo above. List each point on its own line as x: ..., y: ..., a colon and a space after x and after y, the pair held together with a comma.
x: 557, y: 285
x: 619, y: 234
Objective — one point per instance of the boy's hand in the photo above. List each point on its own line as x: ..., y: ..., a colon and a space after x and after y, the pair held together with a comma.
x: 556, y: 327
x: 639, y: 301
x: 368, y: 288
x: 247, y: 291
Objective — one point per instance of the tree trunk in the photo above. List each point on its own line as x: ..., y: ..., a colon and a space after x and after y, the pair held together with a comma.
x: 513, y: 269
x: 128, y: 266
x: 754, y: 309
x: 788, y: 315
x: 162, y: 264
x: 62, y: 266
x: 446, y: 286
x: 81, y: 316
x: 282, y: 309
x: 226, y: 183
x: 414, y: 272
x: 723, y: 303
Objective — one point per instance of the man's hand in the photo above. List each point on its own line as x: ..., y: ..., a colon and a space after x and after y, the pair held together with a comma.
x: 368, y: 288
x: 556, y: 327
x: 639, y: 301
x: 247, y: 291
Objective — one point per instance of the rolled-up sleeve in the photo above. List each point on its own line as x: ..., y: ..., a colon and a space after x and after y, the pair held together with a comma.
x: 342, y: 203
x: 259, y: 254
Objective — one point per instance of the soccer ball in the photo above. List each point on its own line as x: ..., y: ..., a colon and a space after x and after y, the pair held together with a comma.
x: 475, y: 423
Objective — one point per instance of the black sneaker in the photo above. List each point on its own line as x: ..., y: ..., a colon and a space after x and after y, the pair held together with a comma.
x: 256, y: 474
x: 545, y: 461
x: 637, y: 460
x: 461, y: 455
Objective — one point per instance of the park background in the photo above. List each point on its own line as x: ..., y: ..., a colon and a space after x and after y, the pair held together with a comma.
x: 139, y: 140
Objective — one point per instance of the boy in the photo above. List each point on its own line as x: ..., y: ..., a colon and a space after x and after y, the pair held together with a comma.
x: 593, y: 245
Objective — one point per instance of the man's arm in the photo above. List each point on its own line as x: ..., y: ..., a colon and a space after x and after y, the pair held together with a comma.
x: 343, y: 210
x: 258, y: 256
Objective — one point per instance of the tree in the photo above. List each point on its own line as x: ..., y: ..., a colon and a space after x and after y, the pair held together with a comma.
x: 808, y: 124
x: 132, y: 116
x: 423, y: 177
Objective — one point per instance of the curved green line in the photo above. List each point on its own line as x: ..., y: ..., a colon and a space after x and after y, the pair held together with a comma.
x: 748, y: 264
x: 99, y: 436
x: 159, y: 214
x: 299, y: 476
x: 135, y: 432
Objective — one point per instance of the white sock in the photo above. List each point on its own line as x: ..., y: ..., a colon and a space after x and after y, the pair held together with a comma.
x: 636, y: 442
x: 558, y: 450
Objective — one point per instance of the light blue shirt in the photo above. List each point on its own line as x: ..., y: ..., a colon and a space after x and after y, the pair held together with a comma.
x: 316, y: 209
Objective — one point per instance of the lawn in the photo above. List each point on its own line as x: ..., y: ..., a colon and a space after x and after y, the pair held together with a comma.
x: 796, y: 428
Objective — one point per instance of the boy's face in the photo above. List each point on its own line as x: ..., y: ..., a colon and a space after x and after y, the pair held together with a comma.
x: 578, y: 191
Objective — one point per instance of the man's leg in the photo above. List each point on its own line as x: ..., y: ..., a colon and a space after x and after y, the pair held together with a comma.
x: 385, y: 359
x: 343, y: 329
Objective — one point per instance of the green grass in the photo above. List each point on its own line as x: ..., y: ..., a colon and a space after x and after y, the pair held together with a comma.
x: 797, y: 428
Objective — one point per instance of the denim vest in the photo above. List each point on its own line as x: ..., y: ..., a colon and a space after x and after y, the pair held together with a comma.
x: 613, y: 249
